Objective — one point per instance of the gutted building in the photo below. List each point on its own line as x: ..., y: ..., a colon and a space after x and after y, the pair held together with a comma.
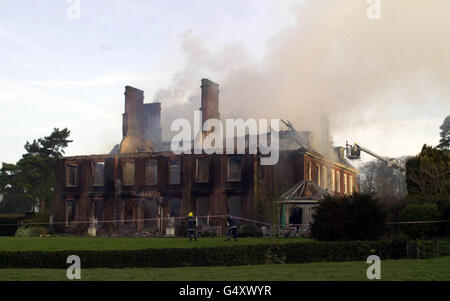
x: 142, y: 188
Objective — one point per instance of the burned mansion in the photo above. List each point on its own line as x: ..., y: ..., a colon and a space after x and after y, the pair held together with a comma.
x: 144, y: 187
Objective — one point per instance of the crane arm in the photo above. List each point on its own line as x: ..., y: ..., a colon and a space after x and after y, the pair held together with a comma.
x: 354, y: 153
x: 384, y: 159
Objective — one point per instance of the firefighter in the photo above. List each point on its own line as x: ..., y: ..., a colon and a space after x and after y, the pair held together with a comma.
x: 192, y: 223
x: 232, y: 228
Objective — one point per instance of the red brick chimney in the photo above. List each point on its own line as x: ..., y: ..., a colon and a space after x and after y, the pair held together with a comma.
x: 141, y: 123
x: 210, y: 100
x: 132, y: 123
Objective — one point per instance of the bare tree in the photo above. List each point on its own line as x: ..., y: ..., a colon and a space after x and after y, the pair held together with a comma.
x: 387, y: 183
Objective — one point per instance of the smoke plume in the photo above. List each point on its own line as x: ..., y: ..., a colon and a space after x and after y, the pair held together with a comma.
x: 335, y: 61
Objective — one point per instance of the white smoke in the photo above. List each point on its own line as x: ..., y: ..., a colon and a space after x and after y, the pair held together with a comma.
x: 334, y: 62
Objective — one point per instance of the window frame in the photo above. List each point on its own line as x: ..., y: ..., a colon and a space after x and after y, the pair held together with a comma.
x: 309, y: 171
x: 169, y: 172
x: 229, y: 158
x: 93, y: 170
x: 72, y: 203
x: 350, y: 179
x: 338, y: 181
x: 318, y: 175
x: 333, y: 180
x: 197, y: 179
x: 345, y: 184
x: 75, y: 178
x: 155, y: 172
x: 231, y: 199
x: 124, y: 164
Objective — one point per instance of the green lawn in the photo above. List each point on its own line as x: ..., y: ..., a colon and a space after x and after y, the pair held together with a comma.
x: 403, y: 269
x: 100, y: 243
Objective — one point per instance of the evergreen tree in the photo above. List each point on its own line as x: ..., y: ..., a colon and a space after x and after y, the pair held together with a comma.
x: 428, y: 173
x: 32, y: 177
x: 444, y: 143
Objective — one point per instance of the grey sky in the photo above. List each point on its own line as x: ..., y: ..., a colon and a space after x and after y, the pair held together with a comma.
x: 57, y: 72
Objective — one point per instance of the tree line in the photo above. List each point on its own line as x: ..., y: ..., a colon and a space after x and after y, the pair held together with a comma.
x: 28, y: 185
x: 387, y: 196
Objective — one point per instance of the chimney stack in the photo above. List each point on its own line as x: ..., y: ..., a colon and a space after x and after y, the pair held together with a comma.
x: 141, y: 123
x: 134, y: 99
x: 152, y: 132
x: 210, y: 100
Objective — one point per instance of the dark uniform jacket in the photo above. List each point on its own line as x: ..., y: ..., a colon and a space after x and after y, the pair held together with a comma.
x: 231, y: 224
x: 191, y: 223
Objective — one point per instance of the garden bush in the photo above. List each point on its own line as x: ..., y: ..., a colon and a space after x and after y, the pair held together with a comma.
x: 31, y: 231
x: 444, y: 209
x: 329, y: 219
x: 355, y: 217
x: 23, y: 231
x: 9, y: 223
x: 39, y: 230
x: 214, y: 256
x: 420, y: 212
x: 250, y: 230
x: 38, y: 220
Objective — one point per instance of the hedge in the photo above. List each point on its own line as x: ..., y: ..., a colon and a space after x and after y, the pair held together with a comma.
x: 213, y: 256
x: 9, y: 223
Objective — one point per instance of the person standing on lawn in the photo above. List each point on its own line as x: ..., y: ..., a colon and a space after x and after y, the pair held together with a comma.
x: 232, y: 228
x: 192, y: 223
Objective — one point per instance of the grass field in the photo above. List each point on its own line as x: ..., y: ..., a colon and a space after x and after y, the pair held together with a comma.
x: 404, y: 269
x: 392, y: 270
x: 99, y: 243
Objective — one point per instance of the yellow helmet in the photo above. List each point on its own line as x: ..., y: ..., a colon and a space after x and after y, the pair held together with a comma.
x: 191, y: 214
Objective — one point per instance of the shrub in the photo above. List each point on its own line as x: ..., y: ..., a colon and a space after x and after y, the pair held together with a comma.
x: 39, y: 230
x: 23, y: 231
x: 9, y: 223
x: 444, y: 209
x: 31, y: 231
x: 329, y: 219
x: 250, y: 230
x: 214, y: 256
x: 356, y: 217
x: 365, y: 218
x: 41, y: 219
x: 420, y: 212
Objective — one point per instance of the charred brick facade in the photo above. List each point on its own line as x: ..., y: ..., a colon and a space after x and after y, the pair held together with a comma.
x: 207, y: 184
x: 139, y: 190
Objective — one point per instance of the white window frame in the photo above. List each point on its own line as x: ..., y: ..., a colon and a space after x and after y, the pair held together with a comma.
x: 351, y: 184
x: 309, y: 171
x: 345, y: 184
x: 338, y: 181
x: 318, y: 174
x: 333, y: 180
